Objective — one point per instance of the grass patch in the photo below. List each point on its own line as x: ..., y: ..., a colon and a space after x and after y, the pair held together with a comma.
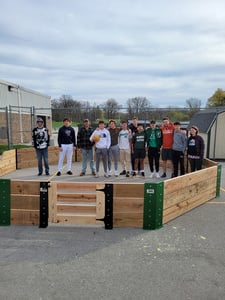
x: 56, y: 125
x: 5, y: 147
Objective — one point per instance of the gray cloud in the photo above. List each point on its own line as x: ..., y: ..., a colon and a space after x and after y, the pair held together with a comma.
x: 168, y: 51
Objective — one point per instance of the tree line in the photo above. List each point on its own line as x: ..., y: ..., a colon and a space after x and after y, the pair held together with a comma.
x: 137, y: 106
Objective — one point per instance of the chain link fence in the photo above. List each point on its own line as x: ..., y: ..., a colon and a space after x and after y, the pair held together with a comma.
x: 17, y: 122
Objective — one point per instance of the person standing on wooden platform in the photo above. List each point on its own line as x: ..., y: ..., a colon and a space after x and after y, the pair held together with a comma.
x: 67, y: 143
x: 178, y: 149
x: 85, y: 146
x: 195, y: 150
x: 40, y: 141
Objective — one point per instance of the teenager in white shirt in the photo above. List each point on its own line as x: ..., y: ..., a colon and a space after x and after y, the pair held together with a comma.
x: 102, y: 139
x: 125, y: 137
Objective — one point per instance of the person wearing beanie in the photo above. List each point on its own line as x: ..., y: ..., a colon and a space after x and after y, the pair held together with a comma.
x: 40, y: 141
x: 195, y: 149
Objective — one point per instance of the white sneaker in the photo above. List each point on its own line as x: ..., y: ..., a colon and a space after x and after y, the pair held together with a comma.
x: 151, y: 175
x: 116, y: 173
x: 157, y: 175
x: 97, y: 175
x: 109, y: 173
x: 106, y: 175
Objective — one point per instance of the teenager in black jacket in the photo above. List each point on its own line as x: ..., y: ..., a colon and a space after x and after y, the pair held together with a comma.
x: 195, y: 150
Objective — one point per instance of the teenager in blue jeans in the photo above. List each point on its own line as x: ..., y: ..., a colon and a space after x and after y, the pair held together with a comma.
x: 85, y: 146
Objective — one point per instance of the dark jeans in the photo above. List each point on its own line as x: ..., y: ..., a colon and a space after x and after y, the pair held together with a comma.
x: 195, y: 164
x: 178, y: 159
x: 153, y: 156
x: 133, y: 162
x: 42, y: 153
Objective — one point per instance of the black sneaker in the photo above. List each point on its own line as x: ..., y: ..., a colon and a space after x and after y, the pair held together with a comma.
x: 58, y: 173
x: 128, y: 174
x: 39, y: 174
x: 133, y: 174
x: 163, y: 175
x: 69, y: 173
x: 47, y: 173
x: 123, y: 172
x: 143, y: 174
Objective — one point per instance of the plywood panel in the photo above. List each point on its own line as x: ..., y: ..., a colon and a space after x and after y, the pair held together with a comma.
x: 185, y: 206
x: 52, y: 197
x: 78, y: 197
x: 178, y: 183
x: 128, y: 205
x: 188, y: 192
x: 24, y: 217
x: 76, y: 208
x: 128, y: 190
x: 100, y: 202
x: 25, y: 202
x: 209, y: 163
x: 76, y: 186
x: 128, y: 220
x: 25, y: 187
x: 77, y: 219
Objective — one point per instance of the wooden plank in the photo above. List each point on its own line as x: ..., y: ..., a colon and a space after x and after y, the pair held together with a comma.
x: 128, y: 190
x: 209, y: 163
x: 24, y: 217
x: 100, y: 201
x: 128, y: 205
x: 25, y: 202
x: 76, y: 208
x: 178, y: 183
x: 188, y: 192
x: 9, y: 154
x: 128, y: 220
x: 78, y: 197
x: 185, y: 206
x: 206, y: 194
x: 76, y: 186
x: 77, y: 219
x: 25, y: 187
x: 7, y: 162
x: 52, y: 194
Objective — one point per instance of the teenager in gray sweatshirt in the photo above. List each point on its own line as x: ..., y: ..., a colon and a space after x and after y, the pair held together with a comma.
x: 178, y: 149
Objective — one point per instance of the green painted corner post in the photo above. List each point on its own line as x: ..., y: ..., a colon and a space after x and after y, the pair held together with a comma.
x: 4, y: 202
x: 218, y: 181
x: 153, y: 205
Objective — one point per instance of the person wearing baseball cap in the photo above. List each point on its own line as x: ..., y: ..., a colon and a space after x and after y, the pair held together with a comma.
x: 40, y: 141
x: 85, y: 146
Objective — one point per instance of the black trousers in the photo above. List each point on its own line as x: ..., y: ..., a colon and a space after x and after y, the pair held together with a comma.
x: 178, y: 159
x: 153, y: 157
x: 195, y: 164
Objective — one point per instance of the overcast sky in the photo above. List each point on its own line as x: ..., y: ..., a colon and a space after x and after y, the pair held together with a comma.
x: 168, y: 51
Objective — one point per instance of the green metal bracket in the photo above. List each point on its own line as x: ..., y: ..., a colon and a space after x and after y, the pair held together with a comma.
x: 153, y: 205
x: 4, y: 202
x: 218, y: 182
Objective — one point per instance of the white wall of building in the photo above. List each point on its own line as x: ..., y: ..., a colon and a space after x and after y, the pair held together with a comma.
x: 15, y: 95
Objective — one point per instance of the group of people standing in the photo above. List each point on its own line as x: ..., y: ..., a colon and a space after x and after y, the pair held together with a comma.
x: 129, y: 144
